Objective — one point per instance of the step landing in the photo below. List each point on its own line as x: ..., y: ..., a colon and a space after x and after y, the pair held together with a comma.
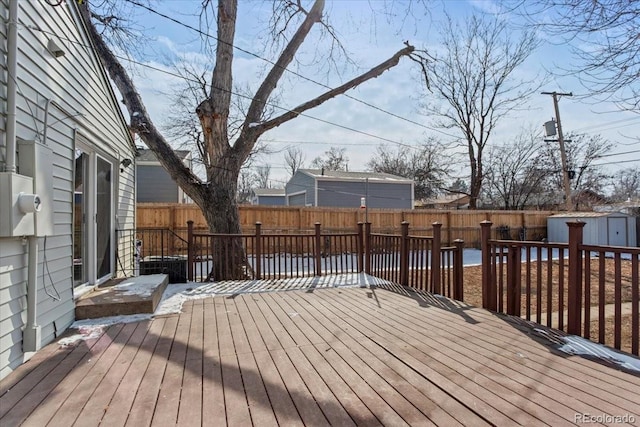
x: 118, y: 297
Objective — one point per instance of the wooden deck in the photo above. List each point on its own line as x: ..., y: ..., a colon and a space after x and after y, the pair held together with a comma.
x: 344, y: 356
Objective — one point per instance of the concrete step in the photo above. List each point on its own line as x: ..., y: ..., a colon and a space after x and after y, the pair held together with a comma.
x: 118, y: 297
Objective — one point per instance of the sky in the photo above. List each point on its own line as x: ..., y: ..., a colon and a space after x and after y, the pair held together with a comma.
x: 371, y: 31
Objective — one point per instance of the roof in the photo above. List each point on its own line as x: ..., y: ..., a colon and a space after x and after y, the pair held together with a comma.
x: 269, y: 192
x: 587, y: 214
x: 354, y: 176
x: 146, y: 155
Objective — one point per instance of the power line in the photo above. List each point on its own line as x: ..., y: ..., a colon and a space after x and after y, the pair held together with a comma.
x: 618, y: 154
x: 255, y: 55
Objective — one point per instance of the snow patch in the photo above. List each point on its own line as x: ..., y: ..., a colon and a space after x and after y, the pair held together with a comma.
x: 583, y: 347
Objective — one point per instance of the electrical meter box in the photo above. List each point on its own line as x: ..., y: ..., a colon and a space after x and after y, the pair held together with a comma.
x: 36, y: 160
x: 14, y: 221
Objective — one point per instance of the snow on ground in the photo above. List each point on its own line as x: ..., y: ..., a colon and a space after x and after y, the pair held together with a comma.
x: 177, y: 294
x: 583, y: 347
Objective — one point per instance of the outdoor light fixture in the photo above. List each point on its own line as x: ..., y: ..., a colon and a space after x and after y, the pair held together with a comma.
x: 54, y: 49
x: 125, y: 164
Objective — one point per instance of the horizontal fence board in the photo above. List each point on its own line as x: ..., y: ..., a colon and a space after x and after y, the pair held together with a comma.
x: 456, y: 224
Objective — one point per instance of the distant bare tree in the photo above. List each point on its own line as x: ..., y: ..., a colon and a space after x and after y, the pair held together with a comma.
x: 626, y: 185
x: 515, y: 173
x: 263, y: 172
x: 294, y: 159
x: 473, y: 79
x: 333, y: 160
x: 582, y: 152
x: 426, y: 165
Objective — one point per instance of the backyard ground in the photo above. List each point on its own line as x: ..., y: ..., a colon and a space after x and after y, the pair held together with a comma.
x: 473, y: 294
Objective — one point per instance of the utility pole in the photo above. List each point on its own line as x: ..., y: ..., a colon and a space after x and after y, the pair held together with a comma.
x: 563, y: 153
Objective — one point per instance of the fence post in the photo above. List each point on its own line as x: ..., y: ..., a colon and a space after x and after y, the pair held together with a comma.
x: 318, y: 254
x: 436, y: 258
x: 574, y: 305
x: 404, y: 254
x: 458, y: 270
x: 258, y: 253
x: 360, y: 247
x: 489, y: 297
x: 514, y: 280
x: 367, y: 248
x: 190, y: 249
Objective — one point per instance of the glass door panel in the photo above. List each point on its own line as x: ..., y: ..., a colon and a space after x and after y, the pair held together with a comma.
x: 103, y: 217
x: 80, y: 203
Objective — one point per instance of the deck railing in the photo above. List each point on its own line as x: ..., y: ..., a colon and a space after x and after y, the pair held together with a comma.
x: 578, y: 288
x: 419, y: 262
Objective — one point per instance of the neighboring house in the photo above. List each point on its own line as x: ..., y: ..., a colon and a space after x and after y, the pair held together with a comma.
x: 318, y: 187
x: 601, y: 228
x: 268, y: 197
x: 153, y: 182
x: 64, y: 139
x: 449, y: 201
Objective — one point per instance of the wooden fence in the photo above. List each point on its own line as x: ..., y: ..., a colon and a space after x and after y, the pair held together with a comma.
x: 456, y: 224
x: 581, y: 289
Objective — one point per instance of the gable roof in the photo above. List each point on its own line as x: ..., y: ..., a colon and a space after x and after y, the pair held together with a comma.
x: 354, y: 176
x: 146, y: 155
x: 269, y: 192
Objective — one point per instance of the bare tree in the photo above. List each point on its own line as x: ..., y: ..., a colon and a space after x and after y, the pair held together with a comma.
x: 473, y: 79
x: 223, y: 157
x: 294, y: 159
x: 425, y: 165
x: 333, y: 160
x: 582, y: 151
x: 515, y: 174
x: 626, y: 185
x: 263, y: 173
x: 603, y: 35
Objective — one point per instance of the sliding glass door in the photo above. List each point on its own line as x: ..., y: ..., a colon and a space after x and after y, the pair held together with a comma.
x: 93, y: 217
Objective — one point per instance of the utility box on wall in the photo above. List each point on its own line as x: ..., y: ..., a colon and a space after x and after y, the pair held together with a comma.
x: 35, y: 160
x: 14, y: 221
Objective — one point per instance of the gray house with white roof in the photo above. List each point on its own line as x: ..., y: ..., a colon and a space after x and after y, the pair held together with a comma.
x: 319, y: 187
x: 153, y: 182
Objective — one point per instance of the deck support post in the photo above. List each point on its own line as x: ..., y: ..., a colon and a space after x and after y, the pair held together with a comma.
x: 404, y: 254
x: 436, y: 258
x: 514, y: 280
x: 318, y: 252
x: 258, y: 251
x: 458, y: 270
x: 367, y: 248
x: 489, y: 296
x: 360, y: 244
x: 574, y: 304
x: 190, y: 250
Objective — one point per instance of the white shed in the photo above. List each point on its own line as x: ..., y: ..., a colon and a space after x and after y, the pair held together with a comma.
x: 601, y: 228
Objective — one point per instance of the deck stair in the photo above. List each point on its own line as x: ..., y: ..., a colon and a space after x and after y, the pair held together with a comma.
x: 117, y: 297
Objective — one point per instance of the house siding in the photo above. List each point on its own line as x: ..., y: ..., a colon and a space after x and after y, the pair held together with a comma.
x: 347, y: 194
x: 77, y: 82
x: 155, y: 185
x: 301, y: 181
x: 272, y: 200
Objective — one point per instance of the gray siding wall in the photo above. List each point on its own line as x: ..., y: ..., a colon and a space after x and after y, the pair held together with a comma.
x: 297, y: 200
x: 595, y: 231
x: 302, y: 182
x: 154, y: 184
x: 272, y: 200
x: 77, y: 82
x: 344, y: 194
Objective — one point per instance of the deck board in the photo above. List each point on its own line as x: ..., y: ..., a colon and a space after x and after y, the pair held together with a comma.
x: 332, y: 356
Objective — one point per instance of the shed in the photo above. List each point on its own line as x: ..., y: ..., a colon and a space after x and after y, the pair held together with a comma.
x: 268, y: 197
x: 601, y: 228
x: 319, y: 187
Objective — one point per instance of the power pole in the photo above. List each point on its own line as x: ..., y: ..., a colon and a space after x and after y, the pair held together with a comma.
x: 563, y: 153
